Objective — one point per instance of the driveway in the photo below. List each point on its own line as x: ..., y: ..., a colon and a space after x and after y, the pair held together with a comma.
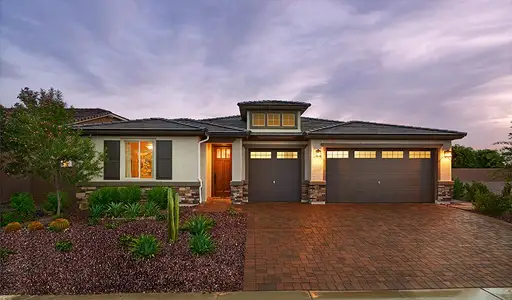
x: 374, y: 247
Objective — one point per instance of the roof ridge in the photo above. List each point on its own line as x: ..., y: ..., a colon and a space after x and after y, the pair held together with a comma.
x: 220, y: 125
x: 327, y: 127
x: 184, y: 124
x: 217, y: 118
x: 102, y: 123
x: 321, y: 119
x: 400, y: 125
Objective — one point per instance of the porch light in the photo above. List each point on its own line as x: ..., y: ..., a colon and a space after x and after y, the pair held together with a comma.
x: 318, y: 153
x: 448, y: 154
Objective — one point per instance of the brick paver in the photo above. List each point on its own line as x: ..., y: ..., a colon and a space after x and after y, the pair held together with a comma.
x: 374, y: 247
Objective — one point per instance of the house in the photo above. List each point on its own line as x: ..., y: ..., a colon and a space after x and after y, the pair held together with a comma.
x: 270, y: 152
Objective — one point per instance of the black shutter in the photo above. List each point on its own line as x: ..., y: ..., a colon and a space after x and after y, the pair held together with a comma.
x: 163, y: 159
x: 112, y: 166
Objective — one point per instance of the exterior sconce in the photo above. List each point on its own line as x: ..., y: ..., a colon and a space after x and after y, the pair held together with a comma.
x: 448, y: 154
x: 318, y: 153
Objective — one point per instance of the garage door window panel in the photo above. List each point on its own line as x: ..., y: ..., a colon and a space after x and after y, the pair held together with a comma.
x: 419, y: 154
x: 365, y: 154
x: 287, y: 155
x: 392, y: 154
x: 261, y: 155
x: 337, y: 154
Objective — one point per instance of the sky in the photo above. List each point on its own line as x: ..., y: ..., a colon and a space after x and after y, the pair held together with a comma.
x: 442, y: 64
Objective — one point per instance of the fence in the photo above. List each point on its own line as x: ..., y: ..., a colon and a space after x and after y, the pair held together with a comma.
x: 489, y: 177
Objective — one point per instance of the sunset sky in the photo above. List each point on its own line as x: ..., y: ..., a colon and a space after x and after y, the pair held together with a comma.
x: 442, y: 64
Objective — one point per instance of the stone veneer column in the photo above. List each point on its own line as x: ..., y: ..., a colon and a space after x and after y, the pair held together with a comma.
x: 317, y: 192
x: 304, y: 195
x: 239, y: 192
x: 444, y: 192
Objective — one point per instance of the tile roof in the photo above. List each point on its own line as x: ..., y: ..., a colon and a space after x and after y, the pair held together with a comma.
x: 273, y: 102
x: 142, y: 124
x: 84, y: 114
x: 362, y: 127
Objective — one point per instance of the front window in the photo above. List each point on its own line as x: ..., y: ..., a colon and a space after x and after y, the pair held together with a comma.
x: 289, y: 120
x: 258, y: 119
x: 273, y: 120
x: 139, y: 159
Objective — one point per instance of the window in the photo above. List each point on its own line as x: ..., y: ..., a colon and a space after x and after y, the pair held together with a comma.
x: 261, y: 155
x: 138, y: 159
x: 392, y: 154
x: 419, y: 154
x: 223, y: 153
x: 337, y: 154
x: 287, y: 155
x: 258, y: 119
x: 365, y: 154
x: 273, y: 120
x: 289, y: 120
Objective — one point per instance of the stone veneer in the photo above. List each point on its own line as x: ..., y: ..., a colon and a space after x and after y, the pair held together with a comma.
x: 239, y: 192
x: 444, y: 191
x: 317, y: 192
x: 188, y: 194
x: 304, y: 191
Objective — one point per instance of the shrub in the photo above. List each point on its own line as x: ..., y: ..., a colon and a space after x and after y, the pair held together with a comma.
x: 9, y: 217
x: 104, y: 196
x: 4, y: 254
x: 23, y: 205
x: 472, y: 188
x: 51, y: 202
x: 125, y: 240
x: 132, y: 210
x: 112, y: 225
x: 58, y: 225
x: 144, y: 247
x: 151, y: 209
x: 92, y: 222
x: 202, y: 244
x: 231, y: 211
x: 12, y: 227
x: 130, y: 194
x: 96, y: 211
x: 198, y: 225
x: 158, y: 195
x: 115, y: 210
x: 161, y: 217
x: 33, y: 226
x: 64, y: 246
x: 491, y: 204
x: 459, y: 190
x: 507, y: 190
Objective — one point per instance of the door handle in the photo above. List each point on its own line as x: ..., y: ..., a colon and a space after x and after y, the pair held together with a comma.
x: 273, y: 181
x: 378, y: 182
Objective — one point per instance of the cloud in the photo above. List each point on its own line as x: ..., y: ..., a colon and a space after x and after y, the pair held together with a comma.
x: 444, y: 64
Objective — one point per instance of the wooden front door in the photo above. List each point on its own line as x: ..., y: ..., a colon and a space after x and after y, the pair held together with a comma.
x: 221, y: 171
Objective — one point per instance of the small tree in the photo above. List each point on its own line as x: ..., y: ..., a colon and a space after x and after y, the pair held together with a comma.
x: 39, y: 139
x: 506, y: 152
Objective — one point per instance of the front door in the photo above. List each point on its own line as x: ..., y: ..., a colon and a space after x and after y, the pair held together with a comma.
x: 221, y: 171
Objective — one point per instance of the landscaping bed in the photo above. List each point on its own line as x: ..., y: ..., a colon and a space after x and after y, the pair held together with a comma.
x: 98, y: 263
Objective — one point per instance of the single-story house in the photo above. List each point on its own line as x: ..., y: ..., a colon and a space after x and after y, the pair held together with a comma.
x: 271, y: 153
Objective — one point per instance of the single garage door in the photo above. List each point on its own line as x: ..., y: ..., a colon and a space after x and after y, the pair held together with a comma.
x: 274, y: 176
x: 362, y: 175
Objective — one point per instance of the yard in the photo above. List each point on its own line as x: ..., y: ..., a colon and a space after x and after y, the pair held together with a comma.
x: 98, y: 263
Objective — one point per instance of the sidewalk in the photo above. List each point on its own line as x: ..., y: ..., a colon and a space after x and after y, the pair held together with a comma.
x: 451, y: 294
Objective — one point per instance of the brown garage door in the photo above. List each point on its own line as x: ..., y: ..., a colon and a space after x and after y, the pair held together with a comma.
x: 274, y: 175
x: 365, y: 175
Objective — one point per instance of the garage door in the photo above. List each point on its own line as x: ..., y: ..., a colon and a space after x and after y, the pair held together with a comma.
x: 362, y: 175
x: 274, y: 176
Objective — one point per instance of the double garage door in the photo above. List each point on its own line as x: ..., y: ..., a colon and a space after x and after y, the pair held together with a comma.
x: 363, y: 175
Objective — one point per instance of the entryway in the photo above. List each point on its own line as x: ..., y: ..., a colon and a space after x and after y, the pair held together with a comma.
x: 221, y: 176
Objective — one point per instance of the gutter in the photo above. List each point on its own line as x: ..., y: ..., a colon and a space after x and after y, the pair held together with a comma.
x: 199, y: 166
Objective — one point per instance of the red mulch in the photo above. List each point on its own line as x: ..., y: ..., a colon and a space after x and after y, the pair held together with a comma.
x: 98, y: 264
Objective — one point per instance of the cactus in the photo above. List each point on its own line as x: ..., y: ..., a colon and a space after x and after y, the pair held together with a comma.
x: 33, y: 226
x: 59, y: 225
x: 12, y: 227
x: 173, y: 215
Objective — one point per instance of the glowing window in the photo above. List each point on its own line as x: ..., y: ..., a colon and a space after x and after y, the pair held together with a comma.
x: 392, y: 154
x: 337, y: 154
x: 419, y: 154
x: 289, y: 120
x: 258, y: 119
x: 287, y: 155
x: 261, y: 155
x: 365, y: 154
x: 138, y: 159
x: 273, y: 119
x: 223, y: 153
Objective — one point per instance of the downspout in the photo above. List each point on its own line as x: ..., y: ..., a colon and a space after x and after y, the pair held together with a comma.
x: 199, y: 166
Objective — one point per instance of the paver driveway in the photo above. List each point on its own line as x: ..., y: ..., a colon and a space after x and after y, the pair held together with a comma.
x: 374, y: 246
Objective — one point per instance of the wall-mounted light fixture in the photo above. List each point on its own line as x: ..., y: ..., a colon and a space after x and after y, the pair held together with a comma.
x: 318, y: 153
x: 448, y: 154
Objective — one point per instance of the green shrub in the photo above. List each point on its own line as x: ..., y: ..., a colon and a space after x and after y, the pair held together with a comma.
x: 132, y: 210
x: 507, y: 190
x: 126, y: 240
x: 151, y: 209
x: 23, y: 205
x: 491, y: 204
x: 198, y: 224
x: 9, y: 217
x: 459, y: 190
x: 144, y: 247
x: 92, y: 222
x: 158, y: 195
x: 4, y: 254
x: 104, y: 196
x: 112, y: 225
x: 96, y: 211
x: 130, y: 194
x: 64, y: 246
x: 115, y: 210
x: 51, y: 202
x: 161, y: 217
x: 202, y: 244
x: 474, y: 187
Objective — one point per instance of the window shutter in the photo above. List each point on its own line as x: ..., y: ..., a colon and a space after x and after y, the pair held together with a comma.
x: 163, y: 159
x: 111, y: 168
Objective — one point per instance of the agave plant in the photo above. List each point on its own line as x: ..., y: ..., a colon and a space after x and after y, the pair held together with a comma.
x: 132, y: 210
x: 115, y: 210
x: 173, y: 215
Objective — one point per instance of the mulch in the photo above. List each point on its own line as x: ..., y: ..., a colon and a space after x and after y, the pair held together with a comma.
x: 98, y: 264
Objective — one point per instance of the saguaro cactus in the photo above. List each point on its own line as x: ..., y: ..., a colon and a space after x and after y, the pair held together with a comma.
x: 173, y: 215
